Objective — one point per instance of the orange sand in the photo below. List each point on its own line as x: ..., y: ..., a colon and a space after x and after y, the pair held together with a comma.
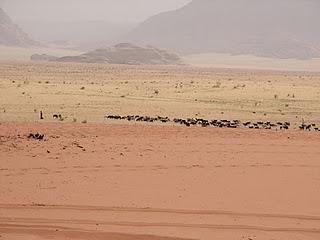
x: 112, y: 181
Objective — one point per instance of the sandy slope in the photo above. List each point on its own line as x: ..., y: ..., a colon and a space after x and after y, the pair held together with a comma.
x: 86, y: 181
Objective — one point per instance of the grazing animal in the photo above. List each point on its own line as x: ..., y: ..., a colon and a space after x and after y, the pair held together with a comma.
x: 206, y: 123
x: 57, y: 116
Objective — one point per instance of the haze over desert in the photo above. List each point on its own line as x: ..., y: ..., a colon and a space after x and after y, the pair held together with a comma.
x: 182, y: 134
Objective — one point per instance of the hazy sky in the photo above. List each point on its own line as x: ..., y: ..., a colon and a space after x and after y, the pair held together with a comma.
x: 73, y: 10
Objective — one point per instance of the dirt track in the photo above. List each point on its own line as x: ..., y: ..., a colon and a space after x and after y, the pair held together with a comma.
x: 89, y: 180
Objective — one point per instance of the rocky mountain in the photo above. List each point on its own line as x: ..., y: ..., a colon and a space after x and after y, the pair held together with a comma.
x: 273, y: 28
x: 123, y: 53
x: 11, y: 34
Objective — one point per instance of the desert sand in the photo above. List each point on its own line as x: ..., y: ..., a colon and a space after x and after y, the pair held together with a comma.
x: 252, y: 62
x: 93, y: 178
x: 91, y: 91
x: 89, y: 180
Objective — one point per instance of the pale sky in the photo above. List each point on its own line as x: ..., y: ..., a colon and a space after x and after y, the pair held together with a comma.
x: 74, y: 10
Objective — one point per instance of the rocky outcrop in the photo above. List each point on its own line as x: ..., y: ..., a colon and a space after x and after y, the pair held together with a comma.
x: 123, y: 53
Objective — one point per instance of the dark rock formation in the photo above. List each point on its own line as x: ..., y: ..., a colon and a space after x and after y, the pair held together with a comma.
x: 123, y: 53
x: 126, y: 53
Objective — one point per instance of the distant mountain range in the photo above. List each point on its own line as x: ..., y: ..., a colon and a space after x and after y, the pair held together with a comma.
x: 272, y: 28
x: 11, y: 34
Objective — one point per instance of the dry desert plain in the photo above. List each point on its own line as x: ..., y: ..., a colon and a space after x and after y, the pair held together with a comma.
x: 94, y: 178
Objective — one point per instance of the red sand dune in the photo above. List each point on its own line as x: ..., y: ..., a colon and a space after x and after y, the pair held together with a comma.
x: 111, y: 181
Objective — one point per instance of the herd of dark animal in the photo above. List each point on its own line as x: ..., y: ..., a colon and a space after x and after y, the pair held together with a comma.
x: 200, y: 122
x: 206, y: 123
x: 215, y: 123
